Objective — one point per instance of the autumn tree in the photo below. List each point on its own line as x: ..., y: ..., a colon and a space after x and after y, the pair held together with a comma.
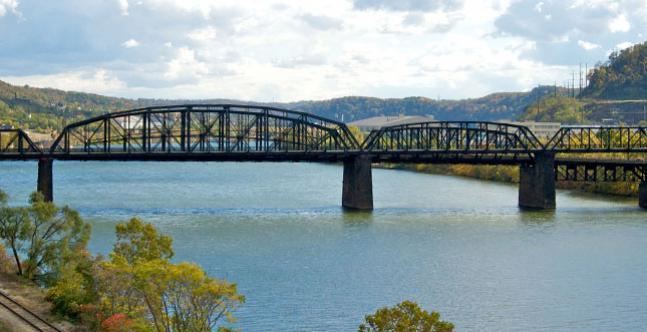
x: 140, y: 281
x: 404, y: 317
x: 140, y: 241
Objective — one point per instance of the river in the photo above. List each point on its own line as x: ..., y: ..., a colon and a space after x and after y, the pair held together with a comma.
x: 454, y: 245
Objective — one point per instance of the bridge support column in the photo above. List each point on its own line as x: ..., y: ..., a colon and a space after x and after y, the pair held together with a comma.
x: 642, y: 194
x: 537, y: 182
x: 46, y: 178
x: 357, y: 192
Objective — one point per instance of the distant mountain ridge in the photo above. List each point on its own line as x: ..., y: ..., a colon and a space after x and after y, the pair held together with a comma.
x: 47, y: 109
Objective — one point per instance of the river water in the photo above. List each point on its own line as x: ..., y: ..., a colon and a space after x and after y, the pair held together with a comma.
x: 454, y: 245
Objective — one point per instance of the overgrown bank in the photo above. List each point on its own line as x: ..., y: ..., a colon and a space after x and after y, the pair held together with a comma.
x: 510, y: 174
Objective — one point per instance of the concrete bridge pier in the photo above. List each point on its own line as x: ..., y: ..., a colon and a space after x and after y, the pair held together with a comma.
x: 357, y: 191
x: 45, y: 183
x: 642, y: 194
x: 537, y: 182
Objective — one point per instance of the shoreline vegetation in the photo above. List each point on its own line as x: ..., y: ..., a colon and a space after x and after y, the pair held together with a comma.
x: 510, y: 174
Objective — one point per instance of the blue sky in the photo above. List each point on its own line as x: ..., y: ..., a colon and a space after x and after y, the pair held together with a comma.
x: 294, y: 50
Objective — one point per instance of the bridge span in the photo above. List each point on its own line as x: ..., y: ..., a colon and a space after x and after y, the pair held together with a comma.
x: 227, y: 132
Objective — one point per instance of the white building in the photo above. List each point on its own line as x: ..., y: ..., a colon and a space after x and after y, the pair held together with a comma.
x: 543, y: 130
x: 377, y: 122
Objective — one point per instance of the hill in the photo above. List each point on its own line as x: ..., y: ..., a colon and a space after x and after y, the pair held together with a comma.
x: 558, y: 108
x: 622, y: 76
x: 495, y: 106
x: 47, y: 110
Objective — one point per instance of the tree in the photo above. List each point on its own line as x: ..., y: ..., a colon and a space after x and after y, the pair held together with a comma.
x: 42, y: 237
x: 141, y: 282
x: 53, y: 236
x: 404, y: 317
x: 13, y: 223
x: 182, y: 298
x: 74, y: 290
x: 137, y: 240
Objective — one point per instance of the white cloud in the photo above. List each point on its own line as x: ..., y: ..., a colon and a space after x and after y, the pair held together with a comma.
x: 321, y: 22
x: 123, y: 6
x: 623, y: 45
x: 587, y: 45
x: 620, y: 24
x: 98, y: 81
x: 9, y: 6
x: 130, y: 43
x: 203, y: 34
x: 185, y: 67
x: 561, y: 29
x: 285, y: 50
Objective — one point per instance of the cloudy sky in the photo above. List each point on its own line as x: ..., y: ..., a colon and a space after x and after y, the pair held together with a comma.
x: 275, y: 50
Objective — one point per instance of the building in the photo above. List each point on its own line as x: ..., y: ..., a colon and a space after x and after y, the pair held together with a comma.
x: 543, y: 130
x: 377, y: 122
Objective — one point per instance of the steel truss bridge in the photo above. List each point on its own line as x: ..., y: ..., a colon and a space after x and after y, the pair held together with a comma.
x: 228, y: 132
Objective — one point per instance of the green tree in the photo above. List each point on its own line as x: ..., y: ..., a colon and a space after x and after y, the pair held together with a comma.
x: 74, y: 290
x: 53, y: 236
x: 42, y: 237
x: 404, y: 317
x: 12, y: 229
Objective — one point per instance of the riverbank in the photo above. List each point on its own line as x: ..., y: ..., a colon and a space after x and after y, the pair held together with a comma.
x: 510, y: 174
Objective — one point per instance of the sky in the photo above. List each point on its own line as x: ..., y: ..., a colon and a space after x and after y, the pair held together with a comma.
x: 293, y: 50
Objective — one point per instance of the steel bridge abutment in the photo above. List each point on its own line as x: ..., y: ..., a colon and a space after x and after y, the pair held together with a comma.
x: 537, y: 182
x: 45, y: 183
x: 642, y: 194
x: 357, y: 193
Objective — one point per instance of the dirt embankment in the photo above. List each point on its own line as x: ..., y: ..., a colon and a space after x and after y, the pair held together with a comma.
x: 31, y: 296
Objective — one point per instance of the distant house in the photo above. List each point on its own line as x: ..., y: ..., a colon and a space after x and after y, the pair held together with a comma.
x: 377, y: 122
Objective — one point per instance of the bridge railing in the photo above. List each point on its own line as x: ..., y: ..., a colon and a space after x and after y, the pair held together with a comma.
x: 578, y: 139
x: 204, y: 129
x: 15, y: 142
x: 454, y: 136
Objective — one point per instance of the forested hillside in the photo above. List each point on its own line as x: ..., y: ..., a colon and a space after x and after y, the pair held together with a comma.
x: 50, y: 109
x: 562, y: 109
x: 622, y: 76
x: 495, y: 106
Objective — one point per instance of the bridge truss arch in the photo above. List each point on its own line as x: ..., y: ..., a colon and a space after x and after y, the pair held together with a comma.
x: 458, y: 138
x: 590, y: 139
x: 224, y: 131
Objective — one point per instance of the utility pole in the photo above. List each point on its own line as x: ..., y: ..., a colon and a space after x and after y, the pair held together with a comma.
x: 573, y: 82
x: 580, y: 72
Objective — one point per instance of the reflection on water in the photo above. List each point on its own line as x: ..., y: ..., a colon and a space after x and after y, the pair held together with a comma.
x: 455, y: 245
